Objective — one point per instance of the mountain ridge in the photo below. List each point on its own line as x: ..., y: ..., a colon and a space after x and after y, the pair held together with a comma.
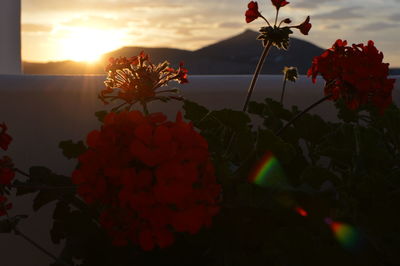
x: 238, y: 54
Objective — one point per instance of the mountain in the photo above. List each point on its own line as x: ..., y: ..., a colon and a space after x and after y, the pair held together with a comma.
x: 236, y: 55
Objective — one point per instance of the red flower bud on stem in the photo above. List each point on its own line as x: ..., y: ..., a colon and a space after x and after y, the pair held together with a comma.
x: 279, y: 3
x: 305, y: 26
x: 252, y: 13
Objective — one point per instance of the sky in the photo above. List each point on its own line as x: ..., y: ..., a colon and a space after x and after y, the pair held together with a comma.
x: 82, y: 30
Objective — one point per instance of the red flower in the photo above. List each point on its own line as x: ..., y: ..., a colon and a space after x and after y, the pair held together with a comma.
x: 5, y: 139
x: 180, y: 74
x: 355, y: 74
x: 305, y: 26
x: 279, y: 3
x: 6, y: 171
x: 121, y: 63
x: 4, y: 207
x: 136, y: 79
x: 151, y: 176
x: 252, y: 13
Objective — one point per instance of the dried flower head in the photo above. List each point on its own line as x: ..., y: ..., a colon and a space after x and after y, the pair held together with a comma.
x: 137, y: 80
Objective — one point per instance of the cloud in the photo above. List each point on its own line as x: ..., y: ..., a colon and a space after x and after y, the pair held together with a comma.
x: 94, y: 5
x: 332, y: 26
x: 27, y: 27
x: 192, y: 24
x: 341, y: 13
x: 395, y: 17
x: 309, y: 4
x: 96, y: 22
x: 378, y: 26
x: 232, y: 25
x: 184, y: 31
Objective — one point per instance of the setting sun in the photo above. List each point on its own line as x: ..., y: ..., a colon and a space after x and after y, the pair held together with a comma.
x: 87, y: 44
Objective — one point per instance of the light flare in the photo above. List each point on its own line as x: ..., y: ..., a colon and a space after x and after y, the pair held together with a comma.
x: 301, y: 211
x: 268, y: 172
x: 348, y: 236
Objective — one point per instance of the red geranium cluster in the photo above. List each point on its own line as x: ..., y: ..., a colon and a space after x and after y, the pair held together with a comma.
x: 6, y: 169
x: 355, y: 74
x: 152, y: 177
x: 136, y: 79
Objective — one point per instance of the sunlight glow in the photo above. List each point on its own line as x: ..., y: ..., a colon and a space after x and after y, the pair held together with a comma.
x: 88, y: 44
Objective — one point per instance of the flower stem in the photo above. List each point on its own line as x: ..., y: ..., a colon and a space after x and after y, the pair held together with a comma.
x: 256, y: 73
x: 279, y: 132
x: 21, y: 172
x: 276, y: 17
x: 118, y: 107
x: 19, y: 233
x: 283, y: 87
x: 145, y: 110
x: 265, y: 20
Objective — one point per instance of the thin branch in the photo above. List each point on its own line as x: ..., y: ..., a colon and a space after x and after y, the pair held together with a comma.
x: 283, y: 88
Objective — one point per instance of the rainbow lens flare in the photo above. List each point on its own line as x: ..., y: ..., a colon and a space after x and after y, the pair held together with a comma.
x: 348, y: 236
x: 301, y: 211
x: 268, y: 172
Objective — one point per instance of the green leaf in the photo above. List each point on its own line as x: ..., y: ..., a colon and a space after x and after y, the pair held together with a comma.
x: 316, y: 176
x: 269, y: 142
x: 71, y: 149
x: 237, y: 121
x: 44, y: 197
x: 345, y: 114
x: 22, y: 188
x: 194, y: 112
x: 5, y: 226
x: 312, y: 128
x: 51, y: 186
x: 60, y: 215
x: 101, y: 115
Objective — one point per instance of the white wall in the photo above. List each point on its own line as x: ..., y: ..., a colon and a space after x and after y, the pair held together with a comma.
x: 10, y: 37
